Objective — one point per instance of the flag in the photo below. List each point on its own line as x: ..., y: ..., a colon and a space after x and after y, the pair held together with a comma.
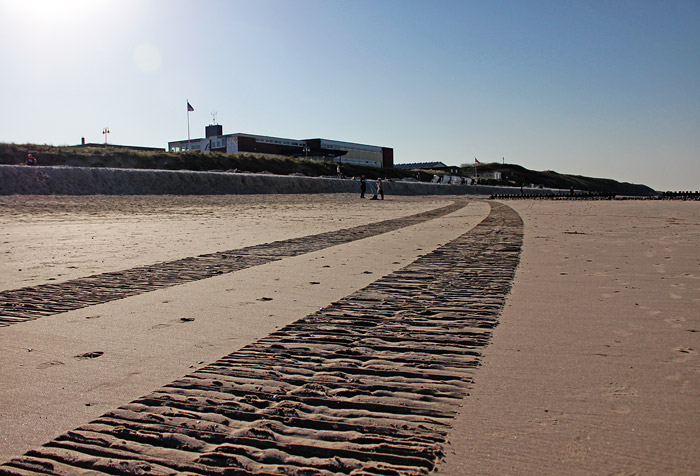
x: 477, y: 161
x: 189, y: 107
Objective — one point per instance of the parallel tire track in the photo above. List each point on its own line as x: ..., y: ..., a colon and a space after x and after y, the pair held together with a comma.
x: 19, y: 305
x: 368, y: 385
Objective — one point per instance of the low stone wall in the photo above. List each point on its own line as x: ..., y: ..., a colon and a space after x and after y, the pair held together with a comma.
x: 61, y: 180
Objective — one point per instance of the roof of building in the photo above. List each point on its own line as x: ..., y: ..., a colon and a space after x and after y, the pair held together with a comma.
x: 421, y: 165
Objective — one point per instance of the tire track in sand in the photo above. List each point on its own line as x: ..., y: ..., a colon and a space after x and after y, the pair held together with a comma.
x: 32, y: 302
x: 368, y: 385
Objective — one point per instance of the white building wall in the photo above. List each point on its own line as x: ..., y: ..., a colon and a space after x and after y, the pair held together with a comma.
x: 231, y: 144
x: 357, y: 154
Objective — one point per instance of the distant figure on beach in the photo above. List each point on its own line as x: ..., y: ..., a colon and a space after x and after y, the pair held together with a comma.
x: 363, y: 187
x: 31, y: 160
x: 337, y: 169
x: 379, y: 190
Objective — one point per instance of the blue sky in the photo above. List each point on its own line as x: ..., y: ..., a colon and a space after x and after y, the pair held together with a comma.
x: 598, y: 88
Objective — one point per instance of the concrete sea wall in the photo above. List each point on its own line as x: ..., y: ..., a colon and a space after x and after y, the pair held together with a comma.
x: 62, y: 180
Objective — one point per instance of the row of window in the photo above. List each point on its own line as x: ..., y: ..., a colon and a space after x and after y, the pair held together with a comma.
x: 177, y: 148
x: 282, y: 142
x: 346, y: 146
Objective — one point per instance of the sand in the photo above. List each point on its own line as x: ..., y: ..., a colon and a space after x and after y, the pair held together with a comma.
x: 144, y: 341
x: 56, y: 238
x: 593, y: 368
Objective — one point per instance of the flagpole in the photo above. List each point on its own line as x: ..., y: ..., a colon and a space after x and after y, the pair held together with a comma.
x: 189, y: 148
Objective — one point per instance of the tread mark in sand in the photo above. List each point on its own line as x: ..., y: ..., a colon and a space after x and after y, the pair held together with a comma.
x: 28, y: 303
x: 368, y: 385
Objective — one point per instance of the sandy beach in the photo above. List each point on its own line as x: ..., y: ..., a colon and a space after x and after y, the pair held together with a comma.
x: 592, y: 367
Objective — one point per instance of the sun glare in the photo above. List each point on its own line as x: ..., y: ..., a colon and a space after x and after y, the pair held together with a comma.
x: 53, y: 14
x: 147, y: 58
x: 56, y: 33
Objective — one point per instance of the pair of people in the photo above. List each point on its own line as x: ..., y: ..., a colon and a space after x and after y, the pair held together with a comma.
x: 363, y: 188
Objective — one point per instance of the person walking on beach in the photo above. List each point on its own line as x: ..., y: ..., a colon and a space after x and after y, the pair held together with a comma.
x: 31, y: 160
x: 363, y: 187
x: 378, y: 190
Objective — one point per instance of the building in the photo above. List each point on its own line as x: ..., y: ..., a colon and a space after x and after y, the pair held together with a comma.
x: 320, y: 149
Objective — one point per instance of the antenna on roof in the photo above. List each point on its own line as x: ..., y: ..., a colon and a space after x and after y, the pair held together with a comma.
x: 213, y: 117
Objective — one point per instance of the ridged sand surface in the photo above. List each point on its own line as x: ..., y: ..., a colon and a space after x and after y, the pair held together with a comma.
x: 325, y: 334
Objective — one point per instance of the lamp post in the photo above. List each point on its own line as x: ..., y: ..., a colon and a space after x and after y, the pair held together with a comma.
x: 105, y: 131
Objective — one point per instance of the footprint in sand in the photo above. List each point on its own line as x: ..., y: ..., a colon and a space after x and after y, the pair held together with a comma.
x: 675, y: 321
x: 50, y: 363
x: 89, y: 355
x: 619, y: 390
x: 686, y: 353
x: 160, y: 326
